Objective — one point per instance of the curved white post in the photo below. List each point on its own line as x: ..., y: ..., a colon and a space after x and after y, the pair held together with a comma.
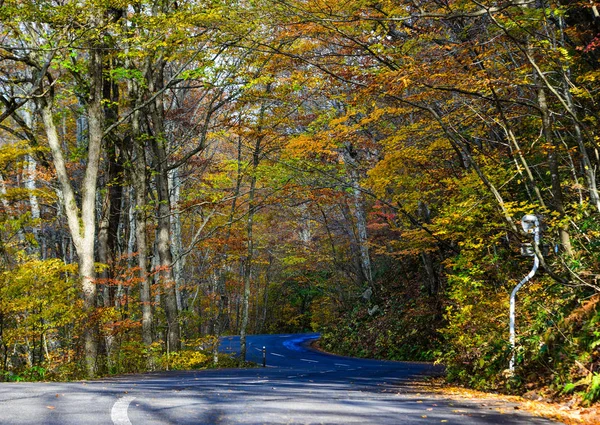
x: 536, y: 264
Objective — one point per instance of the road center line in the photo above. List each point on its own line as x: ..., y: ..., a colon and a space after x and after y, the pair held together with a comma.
x: 310, y: 361
x: 341, y: 364
x: 118, y: 414
x: 278, y: 355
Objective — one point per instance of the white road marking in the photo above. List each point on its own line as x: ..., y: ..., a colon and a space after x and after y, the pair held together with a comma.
x: 310, y: 361
x: 342, y: 364
x: 258, y: 349
x: 118, y: 414
x: 278, y: 355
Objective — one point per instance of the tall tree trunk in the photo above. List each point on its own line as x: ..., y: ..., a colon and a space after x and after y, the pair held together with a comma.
x: 141, y: 224
x: 175, y: 184
x: 163, y: 246
x: 222, y: 317
x: 249, y: 249
x: 107, y: 233
x: 589, y: 172
x: 557, y: 192
x: 163, y: 238
x: 250, y: 223
x: 81, y: 221
x: 350, y: 158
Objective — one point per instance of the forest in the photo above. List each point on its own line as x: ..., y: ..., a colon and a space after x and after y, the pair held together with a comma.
x: 172, y: 171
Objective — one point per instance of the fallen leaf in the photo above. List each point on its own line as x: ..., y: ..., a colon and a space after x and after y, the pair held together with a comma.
x: 50, y: 407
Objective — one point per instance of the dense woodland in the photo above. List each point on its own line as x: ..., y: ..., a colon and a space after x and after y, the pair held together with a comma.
x: 174, y: 171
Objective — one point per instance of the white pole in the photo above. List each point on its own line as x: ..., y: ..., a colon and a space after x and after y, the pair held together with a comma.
x: 536, y: 264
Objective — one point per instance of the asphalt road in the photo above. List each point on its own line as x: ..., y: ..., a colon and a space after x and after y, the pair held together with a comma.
x: 298, y: 386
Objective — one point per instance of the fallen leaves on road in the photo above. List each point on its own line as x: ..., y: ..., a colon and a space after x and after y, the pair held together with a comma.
x: 562, y: 412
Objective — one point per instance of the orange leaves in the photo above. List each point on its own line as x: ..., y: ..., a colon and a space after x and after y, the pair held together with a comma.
x: 306, y: 146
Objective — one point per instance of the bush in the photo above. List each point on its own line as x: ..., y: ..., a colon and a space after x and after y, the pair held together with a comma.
x: 185, y: 360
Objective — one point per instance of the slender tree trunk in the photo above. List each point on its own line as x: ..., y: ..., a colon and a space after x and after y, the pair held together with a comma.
x: 176, y: 238
x: 250, y: 223
x: 107, y: 233
x: 350, y: 228
x: 554, y: 171
x: 249, y: 250
x: 222, y: 317
x: 141, y: 225
x: 266, y: 295
x: 163, y: 237
x: 589, y: 172
x: 33, y: 200
x: 163, y: 244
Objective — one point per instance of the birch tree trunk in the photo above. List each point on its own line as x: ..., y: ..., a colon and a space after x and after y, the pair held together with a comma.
x: 176, y: 245
x: 81, y: 220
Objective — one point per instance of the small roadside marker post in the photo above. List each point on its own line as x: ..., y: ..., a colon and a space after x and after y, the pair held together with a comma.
x: 264, y: 351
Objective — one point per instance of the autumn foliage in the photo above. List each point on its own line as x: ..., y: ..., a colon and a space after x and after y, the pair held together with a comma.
x: 356, y: 168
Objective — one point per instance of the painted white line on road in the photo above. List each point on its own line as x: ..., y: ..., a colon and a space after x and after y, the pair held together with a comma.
x: 258, y: 349
x: 342, y: 364
x: 118, y: 414
x: 310, y: 361
x: 278, y: 355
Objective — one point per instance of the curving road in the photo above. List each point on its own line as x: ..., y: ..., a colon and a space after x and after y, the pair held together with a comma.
x: 298, y: 386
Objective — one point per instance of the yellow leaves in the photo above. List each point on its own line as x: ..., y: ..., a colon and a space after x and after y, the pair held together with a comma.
x: 39, y: 291
x: 307, y: 146
x: 15, y: 152
x: 293, y: 260
x: 185, y: 360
